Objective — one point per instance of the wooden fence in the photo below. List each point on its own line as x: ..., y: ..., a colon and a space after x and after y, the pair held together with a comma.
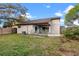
x: 7, y: 30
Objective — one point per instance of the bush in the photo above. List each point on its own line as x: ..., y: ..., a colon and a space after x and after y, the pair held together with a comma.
x: 72, y: 33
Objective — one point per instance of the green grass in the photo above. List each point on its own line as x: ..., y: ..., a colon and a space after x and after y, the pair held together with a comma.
x: 23, y: 45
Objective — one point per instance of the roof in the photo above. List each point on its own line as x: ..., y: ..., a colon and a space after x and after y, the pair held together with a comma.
x: 39, y: 21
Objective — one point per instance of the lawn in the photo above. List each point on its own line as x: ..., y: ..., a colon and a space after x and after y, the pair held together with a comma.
x: 31, y: 45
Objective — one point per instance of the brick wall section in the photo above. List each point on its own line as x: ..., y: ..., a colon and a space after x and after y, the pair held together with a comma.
x: 7, y: 30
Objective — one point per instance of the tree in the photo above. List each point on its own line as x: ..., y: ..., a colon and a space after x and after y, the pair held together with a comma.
x: 72, y: 15
x: 11, y: 12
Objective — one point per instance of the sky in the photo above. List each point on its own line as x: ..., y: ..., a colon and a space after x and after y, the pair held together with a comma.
x: 47, y: 10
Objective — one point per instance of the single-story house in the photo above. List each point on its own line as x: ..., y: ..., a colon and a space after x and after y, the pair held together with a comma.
x: 45, y: 26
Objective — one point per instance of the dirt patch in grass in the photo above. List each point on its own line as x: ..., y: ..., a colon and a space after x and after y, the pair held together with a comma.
x: 69, y: 47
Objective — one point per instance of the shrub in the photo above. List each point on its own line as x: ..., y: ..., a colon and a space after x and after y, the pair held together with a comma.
x: 72, y: 33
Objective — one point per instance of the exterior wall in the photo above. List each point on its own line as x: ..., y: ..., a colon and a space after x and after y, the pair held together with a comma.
x: 54, y: 28
x: 27, y: 28
x: 15, y: 26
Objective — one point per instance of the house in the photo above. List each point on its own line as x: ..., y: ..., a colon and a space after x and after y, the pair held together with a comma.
x: 45, y: 26
x: 72, y: 23
x: 76, y: 22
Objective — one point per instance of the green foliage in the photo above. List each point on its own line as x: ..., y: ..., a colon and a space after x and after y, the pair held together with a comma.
x: 72, y: 33
x: 72, y: 14
x: 12, y: 13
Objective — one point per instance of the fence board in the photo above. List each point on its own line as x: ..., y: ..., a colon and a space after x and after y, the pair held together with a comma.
x: 7, y: 30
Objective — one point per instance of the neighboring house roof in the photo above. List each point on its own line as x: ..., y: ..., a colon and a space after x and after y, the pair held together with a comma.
x: 39, y: 21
